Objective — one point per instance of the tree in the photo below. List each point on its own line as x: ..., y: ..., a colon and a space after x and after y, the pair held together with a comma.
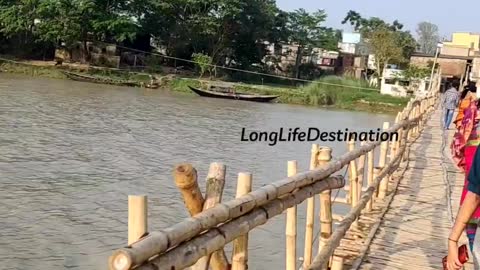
x: 388, y: 40
x: 428, y: 37
x: 384, y: 45
x: 306, y: 31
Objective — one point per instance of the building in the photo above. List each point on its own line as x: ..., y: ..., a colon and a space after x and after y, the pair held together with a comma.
x: 284, y: 56
x: 394, y: 84
x: 458, y: 58
x: 462, y: 44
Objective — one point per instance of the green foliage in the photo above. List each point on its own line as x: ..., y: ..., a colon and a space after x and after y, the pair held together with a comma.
x: 203, y: 62
x: 66, y: 21
x: 306, y: 30
x: 384, y: 45
x: 413, y: 73
x: 376, y: 26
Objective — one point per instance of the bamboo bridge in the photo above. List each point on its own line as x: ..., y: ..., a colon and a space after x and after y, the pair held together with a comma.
x: 400, y: 208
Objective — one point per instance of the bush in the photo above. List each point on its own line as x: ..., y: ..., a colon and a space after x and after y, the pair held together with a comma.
x: 203, y: 62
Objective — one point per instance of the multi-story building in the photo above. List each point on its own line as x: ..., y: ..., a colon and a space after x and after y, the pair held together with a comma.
x: 458, y: 58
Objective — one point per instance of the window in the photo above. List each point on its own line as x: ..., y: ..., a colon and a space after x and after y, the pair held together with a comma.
x: 389, y: 81
x: 326, y: 61
x: 404, y: 83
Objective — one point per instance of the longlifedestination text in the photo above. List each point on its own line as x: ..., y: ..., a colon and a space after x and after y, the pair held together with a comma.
x: 314, y: 134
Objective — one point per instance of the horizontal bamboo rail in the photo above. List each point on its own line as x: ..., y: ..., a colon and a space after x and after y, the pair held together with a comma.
x: 183, y: 244
x: 189, y: 252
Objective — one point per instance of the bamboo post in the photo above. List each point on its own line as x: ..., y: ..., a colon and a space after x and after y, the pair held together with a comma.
x: 186, y: 180
x: 383, y: 189
x: 291, y: 227
x: 361, y: 171
x: 370, y: 176
x: 137, y: 218
x: 215, y: 183
x: 353, y: 176
x: 325, y: 214
x: 307, y: 254
x: 240, y: 244
x: 409, y: 129
x: 337, y: 263
x: 395, y: 145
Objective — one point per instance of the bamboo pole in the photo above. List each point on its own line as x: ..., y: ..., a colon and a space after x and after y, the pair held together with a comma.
x: 370, y: 177
x: 383, y: 189
x: 307, y: 253
x: 353, y: 176
x: 240, y: 245
x: 137, y: 218
x: 215, y: 183
x: 186, y: 180
x: 337, y: 263
x: 326, y: 226
x: 291, y: 227
x: 190, y: 251
x: 361, y: 171
x: 395, y: 145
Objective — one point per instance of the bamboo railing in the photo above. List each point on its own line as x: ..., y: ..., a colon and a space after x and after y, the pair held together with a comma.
x: 198, y: 241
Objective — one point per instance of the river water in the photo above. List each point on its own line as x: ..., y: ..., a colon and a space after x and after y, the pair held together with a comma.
x: 71, y: 153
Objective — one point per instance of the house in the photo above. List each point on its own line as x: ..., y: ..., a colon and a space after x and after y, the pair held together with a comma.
x: 284, y: 56
x: 355, y: 59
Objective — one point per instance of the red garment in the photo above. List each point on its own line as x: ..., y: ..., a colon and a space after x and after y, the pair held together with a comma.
x: 469, y: 154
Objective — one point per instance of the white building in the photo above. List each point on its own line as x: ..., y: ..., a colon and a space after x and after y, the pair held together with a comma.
x: 394, y: 84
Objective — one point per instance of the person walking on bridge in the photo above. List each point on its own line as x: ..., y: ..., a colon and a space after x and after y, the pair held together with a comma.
x: 468, y: 217
x: 450, y: 102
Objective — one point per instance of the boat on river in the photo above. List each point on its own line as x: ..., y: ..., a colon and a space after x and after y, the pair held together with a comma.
x: 232, y: 94
x: 105, y: 80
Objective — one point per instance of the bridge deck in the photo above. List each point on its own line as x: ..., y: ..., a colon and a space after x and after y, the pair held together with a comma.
x: 414, y: 230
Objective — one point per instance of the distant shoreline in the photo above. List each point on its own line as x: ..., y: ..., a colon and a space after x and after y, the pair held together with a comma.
x: 175, y: 83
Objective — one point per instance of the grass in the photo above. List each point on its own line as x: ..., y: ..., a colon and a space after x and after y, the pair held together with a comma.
x: 349, y: 93
x: 45, y: 71
x: 331, y: 91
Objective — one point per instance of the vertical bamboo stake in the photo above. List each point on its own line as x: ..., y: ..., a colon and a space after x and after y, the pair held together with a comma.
x: 307, y: 254
x: 383, y: 189
x: 409, y: 129
x: 215, y: 183
x: 376, y: 172
x: 394, y: 145
x: 137, y: 218
x: 337, y: 263
x: 186, y: 180
x: 370, y: 176
x: 291, y: 227
x: 353, y: 177
x: 325, y: 214
x: 240, y: 245
x: 361, y: 172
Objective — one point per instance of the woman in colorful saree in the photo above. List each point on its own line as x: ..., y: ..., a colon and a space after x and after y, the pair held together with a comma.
x: 466, y: 98
x: 466, y: 128
x: 464, y: 148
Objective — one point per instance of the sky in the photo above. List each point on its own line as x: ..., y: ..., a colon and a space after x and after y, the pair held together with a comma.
x: 449, y: 18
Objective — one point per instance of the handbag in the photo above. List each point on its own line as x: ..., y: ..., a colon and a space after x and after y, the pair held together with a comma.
x: 462, y: 256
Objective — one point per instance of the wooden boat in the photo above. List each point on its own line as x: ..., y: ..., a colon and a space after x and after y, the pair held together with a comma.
x: 233, y: 95
x: 105, y: 80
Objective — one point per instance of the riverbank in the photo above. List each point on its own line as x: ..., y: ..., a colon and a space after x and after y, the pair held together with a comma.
x: 330, y: 92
